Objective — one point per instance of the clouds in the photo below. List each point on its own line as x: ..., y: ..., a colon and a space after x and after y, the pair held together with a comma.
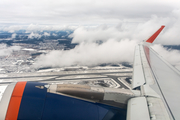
x: 46, y: 34
x: 4, y: 50
x: 117, y: 43
x: 13, y: 35
x: 37, y: 35
x: 102, y: 33
x: 54, y: 34
x: 110, y: 51
x: 34, y: 35
x: 11, y: 29
x: 131, y: 31
x: 41, y: 28
x: 36, y: 28
x: 171, y: 33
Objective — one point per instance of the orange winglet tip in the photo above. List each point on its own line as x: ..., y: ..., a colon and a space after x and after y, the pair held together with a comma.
x: 153, y: 37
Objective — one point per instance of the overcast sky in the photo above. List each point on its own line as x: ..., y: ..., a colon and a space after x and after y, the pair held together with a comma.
x: 83, y: 12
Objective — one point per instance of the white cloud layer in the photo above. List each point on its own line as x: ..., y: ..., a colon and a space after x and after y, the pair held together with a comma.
x: 4, y: 50
x: 138, y: 31
x: 110, y: 51
x: 118, y: 43
x: 13, y: 35
x: 34, y: 35
x: 54, y: 34
x: 37, y: 35
x: 46, y: 34
x: 36, y: 27
x: 12, y: 28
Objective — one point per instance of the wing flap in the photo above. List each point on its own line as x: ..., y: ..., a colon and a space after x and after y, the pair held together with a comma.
x: 138, y: 73
x: 146, y: 108
x: 157, y: 109
x: 135, y: 104
x: 142, y: 73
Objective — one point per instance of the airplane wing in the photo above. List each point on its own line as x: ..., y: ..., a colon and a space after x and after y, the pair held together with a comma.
x: 159, y: 83
x: 153, y: 95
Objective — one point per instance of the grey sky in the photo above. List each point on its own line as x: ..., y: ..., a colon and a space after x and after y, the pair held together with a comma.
x: 82, y: 12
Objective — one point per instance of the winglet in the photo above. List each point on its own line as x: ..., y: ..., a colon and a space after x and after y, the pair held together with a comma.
x: 153, y: 37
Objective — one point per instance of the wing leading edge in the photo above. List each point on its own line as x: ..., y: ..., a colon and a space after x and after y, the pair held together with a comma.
x: 158, y: 81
